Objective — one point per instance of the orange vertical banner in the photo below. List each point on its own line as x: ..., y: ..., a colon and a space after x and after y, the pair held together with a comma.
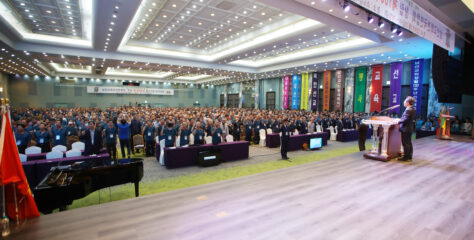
x: 326, y: 90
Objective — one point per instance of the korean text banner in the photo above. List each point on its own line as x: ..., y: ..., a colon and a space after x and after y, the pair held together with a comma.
x: 376, y: 93
x: 349, y: 90
x: 339, y: 91
x: 295, y: 96
x: 314, y: 92
x: 304, y: 91
x: 395, y: 85
x: 326, y: 90
x: 417, y: 82
x: 286, y: 84
x: 360, y: 81
x: 129, y: 90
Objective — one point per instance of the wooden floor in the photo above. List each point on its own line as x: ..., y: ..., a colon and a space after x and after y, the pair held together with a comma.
x: 341, y: 198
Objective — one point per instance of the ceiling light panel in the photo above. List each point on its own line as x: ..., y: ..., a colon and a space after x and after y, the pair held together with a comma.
x: 50, y: 17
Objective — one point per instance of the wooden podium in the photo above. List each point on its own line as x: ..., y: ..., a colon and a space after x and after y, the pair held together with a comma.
x: 391, y: 138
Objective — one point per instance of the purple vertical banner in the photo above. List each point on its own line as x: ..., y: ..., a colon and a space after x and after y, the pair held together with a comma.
x: 395, y: 85
x: 417, y: 82
x: 286, y: 84
x: 290, y: 91
x: 314, y: 91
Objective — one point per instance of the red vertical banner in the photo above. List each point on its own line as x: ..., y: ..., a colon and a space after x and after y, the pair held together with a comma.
x: 376, y: 88
x: 339, y: 93
x: 326, y: 90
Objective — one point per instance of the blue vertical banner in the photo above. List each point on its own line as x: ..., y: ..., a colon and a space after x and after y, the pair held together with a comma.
x: 296, y: 92
x: 417, y: 82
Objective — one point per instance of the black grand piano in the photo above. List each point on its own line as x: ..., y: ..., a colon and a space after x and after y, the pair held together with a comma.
x: 65, y: 184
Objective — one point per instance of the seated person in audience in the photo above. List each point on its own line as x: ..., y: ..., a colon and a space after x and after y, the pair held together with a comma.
x: 183, y: 134
x: 169, y: 134
x: 216, y: 133
x: 92, y: 138
x: 198, y: 134
x: 110, y: 135
x: 419, y: 123
x: 149, y: 132
x: 58, y: 133
x: 467, y: 127
x: 455, y: 127
x: 43, y: 139
x: 22, y: 139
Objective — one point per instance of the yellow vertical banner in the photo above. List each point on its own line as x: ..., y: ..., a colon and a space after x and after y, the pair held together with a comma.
x: 304, y: 91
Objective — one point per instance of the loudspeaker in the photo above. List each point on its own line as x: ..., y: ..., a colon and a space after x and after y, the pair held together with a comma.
x: 447, y: 76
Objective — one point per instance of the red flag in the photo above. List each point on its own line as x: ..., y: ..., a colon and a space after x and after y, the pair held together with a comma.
x: 13, y: 177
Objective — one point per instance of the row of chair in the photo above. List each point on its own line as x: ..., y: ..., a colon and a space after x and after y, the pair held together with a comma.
x: 60, y: 148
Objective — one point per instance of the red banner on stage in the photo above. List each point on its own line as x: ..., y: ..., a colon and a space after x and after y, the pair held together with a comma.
x: 339, y: 93
x: 326, y: 90
x: 376, y: 89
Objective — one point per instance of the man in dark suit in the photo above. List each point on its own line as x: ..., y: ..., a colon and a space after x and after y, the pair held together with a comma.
x: 285, y: 138
x: 92, y: 138
x: 362, y: 135
x: 407, y: 126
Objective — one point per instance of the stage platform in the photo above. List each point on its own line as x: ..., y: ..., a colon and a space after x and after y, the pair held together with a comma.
x: 347, y: 197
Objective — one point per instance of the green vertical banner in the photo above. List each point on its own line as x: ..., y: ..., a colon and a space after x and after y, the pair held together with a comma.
x: 304, y: 91
x: 360, y: 85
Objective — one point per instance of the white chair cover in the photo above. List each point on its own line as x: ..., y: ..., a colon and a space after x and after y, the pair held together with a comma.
x: 178, y: 141
x: 318, y: 128
x: 208, y: 139
x: 229, y: 138
x: 78, y: 145
x: 296, y: 132
x: 54, y: 155
x: 22, y: 157
x: 191, y: 139
x: 333, y: 133
x: 73, y: 153
x: 162, y: 152
x: 59, y: 148
x: 33, y: 150
x: 263, y: 137
x: 269, y: 130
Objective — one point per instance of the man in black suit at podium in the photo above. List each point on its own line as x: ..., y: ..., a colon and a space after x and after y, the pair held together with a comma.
x: 285, y: 138
x: 407, y: 126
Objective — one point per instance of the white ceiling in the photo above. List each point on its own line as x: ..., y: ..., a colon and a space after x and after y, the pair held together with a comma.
x: 195, y: 41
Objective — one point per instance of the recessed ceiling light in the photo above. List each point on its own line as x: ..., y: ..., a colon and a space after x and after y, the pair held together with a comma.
x: 263, y: 13
x: 330, y: 10
x: 114, y: 16
x: 22, y: 4
x: 53, y: 22
x: 212, y: 14
x: 57, y: 30
x: 164, y: 16
x: 30, y: 16
x: 254, y: 6
x: 174, y: 5
x: 68, y: 6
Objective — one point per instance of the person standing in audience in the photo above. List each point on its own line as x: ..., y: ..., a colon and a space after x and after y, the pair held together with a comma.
x: 110, y: 135
x: 169, y: 133
x: 407, y: 126
x: 216, y: 133
x: 43, y: 139
x: 248, y: 130
x: 149, y: 132
x: 22, y: 139
x: 198, y: 134
x: 92, y: 139
x: 124, y: 136
x: 236, y: 130
x: 285, y: 139
x: 225, y: 129
x: 303, y: 126
x: 183, y: 134
x: 58, y: 133
x: 311, y: 125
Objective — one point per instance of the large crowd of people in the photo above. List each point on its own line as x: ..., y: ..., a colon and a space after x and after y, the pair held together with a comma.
x: 47, y: 127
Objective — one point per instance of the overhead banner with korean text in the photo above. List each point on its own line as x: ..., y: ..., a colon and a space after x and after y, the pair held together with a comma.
x: 129, y: 90
x: 304, y: 91
x: 286, y: 84
x: 349, y: 90
x: 326, y: 90
x: 395, y: 85
x: 417, y: 82
x: 376, y: 93
x: 339, y: 91
x: 411, y: 16
x: 296, y: 95
x: 360, y: 85
x: 314, y: 92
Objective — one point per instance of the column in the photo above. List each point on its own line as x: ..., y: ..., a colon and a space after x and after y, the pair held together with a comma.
x: 240, y: 94
x: 226, y: 87
x: 257, y: 91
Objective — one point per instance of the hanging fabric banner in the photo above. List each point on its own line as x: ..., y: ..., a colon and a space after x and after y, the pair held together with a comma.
x: 339, y: 91
x: 314, y: 92
x: 295, y: 96
x: 349, y: 90
x: 326, y: 90
x: 290, y: 91
x: 286, y: 83
x: 368, y: 89
x: 360, y: 85
x: 395, y: 85
x: 376, y: 93
x: 417, y: 83
x: 304, y: 91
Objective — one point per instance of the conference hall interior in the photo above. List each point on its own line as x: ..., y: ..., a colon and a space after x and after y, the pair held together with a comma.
x: 236, y: 119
